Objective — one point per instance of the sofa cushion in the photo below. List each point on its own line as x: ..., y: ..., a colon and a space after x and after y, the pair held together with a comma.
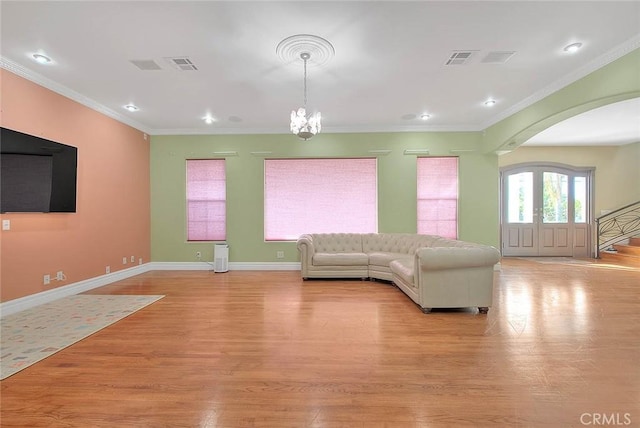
x: 383, y: 258
x: 340, y: 259
x: 337, y: 242
x: 403, y: 268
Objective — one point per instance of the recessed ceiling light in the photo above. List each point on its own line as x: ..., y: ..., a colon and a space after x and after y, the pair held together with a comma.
x: 425, y: 116
x: 573, y: 47
x: 208, y: 119
x: 131, y: 107
x: 490, y: 103
x: 42, y: 59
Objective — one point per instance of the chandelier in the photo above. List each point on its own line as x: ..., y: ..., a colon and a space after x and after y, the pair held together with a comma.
x: 302, y: 125
x: 313, y: 51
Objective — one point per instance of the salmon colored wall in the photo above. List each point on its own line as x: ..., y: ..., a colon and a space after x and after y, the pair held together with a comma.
x: 113, y: 201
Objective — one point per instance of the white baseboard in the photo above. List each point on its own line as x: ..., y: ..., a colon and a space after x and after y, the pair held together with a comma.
x: 232, y: 266
x: 12, y: 306
x: 22, y: 303
x: 264, y: 266
x: 180, y: 266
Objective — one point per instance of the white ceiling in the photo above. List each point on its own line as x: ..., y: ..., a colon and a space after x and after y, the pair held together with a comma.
x: 613, y: 124
x: 389, y: 65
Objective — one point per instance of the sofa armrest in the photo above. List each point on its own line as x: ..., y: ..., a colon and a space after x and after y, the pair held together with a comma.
x: 306, y: 248
x: 434, y: 258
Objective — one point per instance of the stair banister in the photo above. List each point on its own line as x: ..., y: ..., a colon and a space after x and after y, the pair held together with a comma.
x: 617, y: 226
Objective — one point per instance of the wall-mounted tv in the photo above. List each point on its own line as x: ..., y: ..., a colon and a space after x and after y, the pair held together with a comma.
x: 36, y: 175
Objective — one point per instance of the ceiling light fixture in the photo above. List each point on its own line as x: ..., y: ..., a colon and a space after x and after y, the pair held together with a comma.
x: 131, y: 107
x: 208, y: 119
x: 490, y: 103
x: 425, y: 116
x: 42, y: 59
x: 313, y: 51
x: 302, y: 125
x: 573, y: 47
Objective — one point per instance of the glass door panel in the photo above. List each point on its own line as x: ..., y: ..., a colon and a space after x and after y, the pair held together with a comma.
x: 546, y: 211
x: 580, y: 199
x: 581, y: 216
x: 555, y: 197
x: 520, y: 234
x: 520, y: 196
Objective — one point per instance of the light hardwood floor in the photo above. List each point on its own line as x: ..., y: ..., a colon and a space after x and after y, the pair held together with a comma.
x: 560, y: 346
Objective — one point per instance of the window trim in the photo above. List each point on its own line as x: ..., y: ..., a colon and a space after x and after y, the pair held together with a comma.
x: 186, y: 201
x: 457, y: 199
x: 321, y: 158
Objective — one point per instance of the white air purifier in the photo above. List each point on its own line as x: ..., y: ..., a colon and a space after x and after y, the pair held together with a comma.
x: 221, y: 258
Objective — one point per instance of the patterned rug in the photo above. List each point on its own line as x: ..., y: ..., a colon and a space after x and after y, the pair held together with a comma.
x: 34, y: 334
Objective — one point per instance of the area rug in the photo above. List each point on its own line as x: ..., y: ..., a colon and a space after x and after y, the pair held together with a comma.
x: 31, y: 335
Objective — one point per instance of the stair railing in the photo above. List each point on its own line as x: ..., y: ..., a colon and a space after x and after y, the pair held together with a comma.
x: 617, y: 226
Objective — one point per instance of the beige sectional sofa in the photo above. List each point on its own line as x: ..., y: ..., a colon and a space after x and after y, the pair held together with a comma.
x: 433, y: 271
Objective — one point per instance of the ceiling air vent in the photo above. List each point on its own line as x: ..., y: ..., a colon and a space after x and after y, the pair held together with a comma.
x: 182, y: 63
x: 145, y: 64
x: 497, y: 57
x: 460, y: 57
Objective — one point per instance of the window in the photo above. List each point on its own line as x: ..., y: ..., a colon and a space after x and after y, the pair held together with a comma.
x: 520, y: 191
x: 555, y: 197
x: 580, y: 199
x: 438, y: 196
x: 206, y: 200
x: 319, y: 196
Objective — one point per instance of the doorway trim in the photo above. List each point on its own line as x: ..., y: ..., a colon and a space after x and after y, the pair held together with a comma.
x: 571, y: 171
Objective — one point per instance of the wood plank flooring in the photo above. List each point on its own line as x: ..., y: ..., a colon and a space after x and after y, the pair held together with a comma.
x: 560, y: 346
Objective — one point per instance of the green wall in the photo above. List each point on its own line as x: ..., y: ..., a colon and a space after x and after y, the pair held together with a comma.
x: 479, y: 173
x: 478, y: 211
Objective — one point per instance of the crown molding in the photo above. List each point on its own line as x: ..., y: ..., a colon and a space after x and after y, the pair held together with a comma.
x: 401, y: 128
x: 325, y: 130
x: 603, y: 60
x: 39, y: 79
x: 217, y: 131
x: 594, y: 65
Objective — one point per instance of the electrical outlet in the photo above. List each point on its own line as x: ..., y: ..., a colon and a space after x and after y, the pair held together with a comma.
x: 133, y: 259
x: 47, y: 279
x: 107, y: 269
x: 279, y: 254
x: 6, y: 224
x: 124, y: 260
x: 59, y: 276
x: 198, y: 255
x: 140, y: 261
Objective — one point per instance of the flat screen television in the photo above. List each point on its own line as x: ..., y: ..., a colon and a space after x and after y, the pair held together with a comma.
x: 36, y: 175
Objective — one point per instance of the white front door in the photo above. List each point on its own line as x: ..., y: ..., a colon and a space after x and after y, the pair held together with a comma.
x: 545, y: 211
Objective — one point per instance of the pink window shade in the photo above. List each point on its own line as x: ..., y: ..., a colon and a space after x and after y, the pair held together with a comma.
x: 319, y: 196
x: 438, y: 196
x: 206, y: 200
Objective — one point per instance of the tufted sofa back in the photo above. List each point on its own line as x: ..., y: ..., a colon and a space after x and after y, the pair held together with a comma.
x: 337, y: 242
x: 406, y: 243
